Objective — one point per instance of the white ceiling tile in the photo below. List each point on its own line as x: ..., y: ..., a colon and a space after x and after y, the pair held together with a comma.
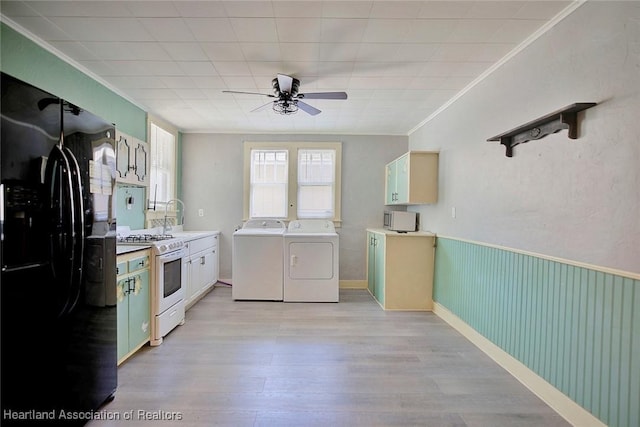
x: 198, y: 68
x: 189, y: 93
x: 541, y: 9
x: 473, y: 31
x: 254, y: 29
x: 125, y: 68
x: 167, y: 29
x: 445, y: 9
x: 233, y: 68
x: 102, y: 29
x: 303, y: 52
x: 297, y: 9
x: 177, y: 82
x: 264, y: 68
x: 78, y: 8
x: 395, y: 9
x: 430, y: 30
x: 230, y: 51
x: 208, y: 82
x: 162, y: 68
x: 386, y: 30
x: 103, y: 68
x: 16, y: 9
x: 494, y: 9
x: 136, y: 82
x: 240, y: 83
x: 76, y: 50
x: 343, y: 30
x: 43, y: 28
x: 346, y: 9
x: 298, y: 29
x: 244, y: 9
x: 128, y: 51
x: 261, y: 51
x: 513, y: 31
x: 200, y: 9
x: 339, y: 51
x: 148, y: 8
x: 211, y: 29
x: 184, y: 51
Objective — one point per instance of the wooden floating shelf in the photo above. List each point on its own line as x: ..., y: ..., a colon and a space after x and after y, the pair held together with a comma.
x: 565, y: 118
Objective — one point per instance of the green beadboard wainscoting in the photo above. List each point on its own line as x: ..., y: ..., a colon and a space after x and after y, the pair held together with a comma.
x: 576, y: 327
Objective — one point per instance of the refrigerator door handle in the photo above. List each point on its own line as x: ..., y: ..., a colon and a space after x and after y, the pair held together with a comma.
x: 59, y: 186
x: 77, y: 226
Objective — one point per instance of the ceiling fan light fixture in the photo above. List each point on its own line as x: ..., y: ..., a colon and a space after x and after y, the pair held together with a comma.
x: 285, y: 107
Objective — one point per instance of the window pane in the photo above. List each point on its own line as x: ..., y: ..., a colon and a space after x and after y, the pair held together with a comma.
x: 162, y: 165
x: 268, y: 184
x: 316, y: 180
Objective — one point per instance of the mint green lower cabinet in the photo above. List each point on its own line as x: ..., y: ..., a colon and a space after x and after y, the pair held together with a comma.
x: 134, y: 303
x: 400, y: 269
x: 375, y: 268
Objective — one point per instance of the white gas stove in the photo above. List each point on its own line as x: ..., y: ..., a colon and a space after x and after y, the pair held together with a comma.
x: 168, y: 278
x: 160, y: 243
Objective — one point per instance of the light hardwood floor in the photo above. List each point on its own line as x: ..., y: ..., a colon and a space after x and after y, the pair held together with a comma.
x: 252, y: 363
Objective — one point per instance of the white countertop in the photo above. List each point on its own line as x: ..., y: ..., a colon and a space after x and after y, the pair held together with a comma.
x: 193, y: 235
x: 125, y: 249
x: 395, y: 233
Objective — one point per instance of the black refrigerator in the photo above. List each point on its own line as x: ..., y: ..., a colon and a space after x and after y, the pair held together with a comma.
x: 58, y: 252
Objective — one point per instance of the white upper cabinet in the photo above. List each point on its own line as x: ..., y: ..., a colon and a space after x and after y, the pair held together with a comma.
x: 132, y: 160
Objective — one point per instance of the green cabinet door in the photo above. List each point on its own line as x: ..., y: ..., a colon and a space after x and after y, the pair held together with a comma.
x: 371, y: 264
x: 390, y: 194
x: 379, y: 263
x: 123, y: 317
x: 402, y: 179
x: 139, y: 310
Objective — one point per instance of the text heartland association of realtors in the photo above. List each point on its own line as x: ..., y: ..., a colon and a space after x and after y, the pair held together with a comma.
x: 159, y: 415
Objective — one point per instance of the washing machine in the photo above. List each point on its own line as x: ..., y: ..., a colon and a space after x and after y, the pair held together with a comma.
x: 311, y: 253
x: 257, y: 261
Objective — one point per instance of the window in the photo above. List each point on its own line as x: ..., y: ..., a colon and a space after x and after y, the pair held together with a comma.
x: 292, y: 180
x: 269, y: 179
x: 163, y: 165
x: 316, y: 179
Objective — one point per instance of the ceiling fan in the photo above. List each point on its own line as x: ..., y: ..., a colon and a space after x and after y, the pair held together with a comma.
x: 288, y: 100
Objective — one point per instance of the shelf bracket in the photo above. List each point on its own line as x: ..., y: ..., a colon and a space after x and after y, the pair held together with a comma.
x: 565, y: 118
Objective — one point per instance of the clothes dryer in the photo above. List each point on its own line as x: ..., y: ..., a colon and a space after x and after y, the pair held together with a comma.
x: 311, y: 256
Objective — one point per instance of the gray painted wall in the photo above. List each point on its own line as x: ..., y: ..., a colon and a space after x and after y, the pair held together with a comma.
x: 574, y: 199
x: 212, y: 180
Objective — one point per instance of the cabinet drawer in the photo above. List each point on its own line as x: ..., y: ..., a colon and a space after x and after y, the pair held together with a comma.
x: 198, y: 245
x: 138, y: 263
x: 121, y: 268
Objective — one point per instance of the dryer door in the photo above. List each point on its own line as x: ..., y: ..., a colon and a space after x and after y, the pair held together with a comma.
x: 311, y: 260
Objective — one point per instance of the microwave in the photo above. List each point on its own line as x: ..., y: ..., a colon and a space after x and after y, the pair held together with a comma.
x: 400, y: 221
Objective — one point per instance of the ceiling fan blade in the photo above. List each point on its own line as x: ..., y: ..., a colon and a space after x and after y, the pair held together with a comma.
x: 285, y: 83
x: 249, y: 93
x: 308, y: 108
x: 262, y: 107
x: 323, y: 95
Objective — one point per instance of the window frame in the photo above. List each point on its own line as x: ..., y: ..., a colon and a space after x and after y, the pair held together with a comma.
x: 173, y: 192
x: 292, y: 189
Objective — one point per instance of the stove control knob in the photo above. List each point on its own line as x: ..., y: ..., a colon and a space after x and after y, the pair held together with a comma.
x: 163, y: 248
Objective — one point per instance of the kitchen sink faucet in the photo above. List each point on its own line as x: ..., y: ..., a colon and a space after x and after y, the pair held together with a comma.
x: 167, y: 227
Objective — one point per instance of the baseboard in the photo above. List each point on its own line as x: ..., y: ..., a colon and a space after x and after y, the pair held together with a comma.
x: 353, y: 284
x: 563, y: 405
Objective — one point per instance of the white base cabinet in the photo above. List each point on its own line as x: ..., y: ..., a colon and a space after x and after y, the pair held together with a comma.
x: 201, y: 265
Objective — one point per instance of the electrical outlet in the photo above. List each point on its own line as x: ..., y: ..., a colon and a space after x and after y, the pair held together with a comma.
x: 200, y: 212
x: 453, y: 212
